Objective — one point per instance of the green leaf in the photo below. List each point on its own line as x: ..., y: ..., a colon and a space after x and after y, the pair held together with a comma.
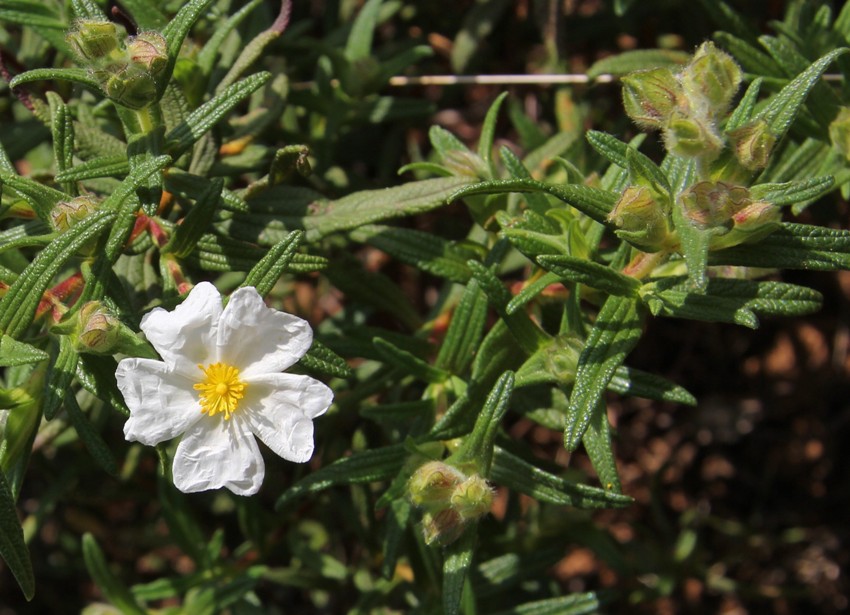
x: 781, y: 109
x: 789, y: 193
x: 477, y: 448
x: 13, y: 549
x: 519, y: 475
x: 409, y: 363
x: 456, y: 570
x: 197, y: 221
x: 426, y: 251
x: 202, y: 119
x: 33, y: 14
x: 478, y: 24
x: 14, y: 352
x: 574, y: 604
x: 113, y: 589
x: 597, y: 442
x: 59, y: 377
x: 593, y: 202
x: 92, y: 440
x: 614, y: 334
x: 101, y: 166
x: 40, y: 197
x: 362, y: 467
x: 638, y: 59
x: 87, y: 9
x: 465, y: 331
x: 207, y: 56
x: 488, y: 132
x: 146, y: 14
x: 729, y: 300
x: 62, y: 129
x: 743, y: 113
x: 592, y: 274
x: 264, y: 275
x: 637, y: 383
x: 97, y: 376
x: 74, y: 75
x: 751, y: 59
x: 359, y: 44
x: 175, y: 32
x: 17, y: 308
x: 792, y: 246
x: 322, y: 359
x: 528, y: 335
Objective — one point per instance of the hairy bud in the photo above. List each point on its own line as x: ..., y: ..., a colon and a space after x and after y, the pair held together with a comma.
x: 131, y: 87
x: 709, y: 204
x: 93, y: 40
x: 691, y: 136
x: 641, y: 218
x: 753, y: 145
x: 711, y: 79
x: 99, y: 329
x: 66, y: 214
x: 148, y: 51
x: 651, y: 96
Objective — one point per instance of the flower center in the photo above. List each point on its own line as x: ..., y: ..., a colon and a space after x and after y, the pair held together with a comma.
x: 220, y: 390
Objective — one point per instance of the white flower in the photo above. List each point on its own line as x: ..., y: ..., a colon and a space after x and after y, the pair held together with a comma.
x: 219, y: 385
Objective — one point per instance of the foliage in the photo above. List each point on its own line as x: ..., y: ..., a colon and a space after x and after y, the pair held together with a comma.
x: 190, y: 142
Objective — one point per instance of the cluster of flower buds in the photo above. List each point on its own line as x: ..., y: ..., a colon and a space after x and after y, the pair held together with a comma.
x: 686, y: 106
x: 730, y: 213
x: 125, y: 67
x: 450, y: 500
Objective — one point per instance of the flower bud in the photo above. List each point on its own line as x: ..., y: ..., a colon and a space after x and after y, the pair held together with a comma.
x: 641, y: 218
x: 442, y: 527
x: 651, y: 96
x: 711, y: 79
x: 99, y: 329
x: 751, y: 224
x: 709, y: 204
x: 466, y: 163
x: 93, y: 40
x: 432, y: 485
x: 472, y: 498
x: 148, y: 51
x: 131, y: 87
x: 753, y: 145
x: 839, y: 132
x: 691, y: 136
x: 66, y: 214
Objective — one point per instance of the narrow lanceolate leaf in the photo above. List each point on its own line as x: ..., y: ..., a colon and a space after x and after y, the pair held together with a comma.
x: 465, y: 331
x: 592, y: 202
x: 75, y: 75
x: 112, y: 587
x: 733, y: 301
x: 409, y: 363
x: 362, y: 467
x: 519, y: 475
x: 488, y: 132
x: 528, y: 335
x: 13, y: 549
x: 359, y: 44
x: 368, y: 206
x: 637, y: 383
x: 97, y: 376
x: 639, y: 59
x: 600, y: 449
x: 793, y: 246
x: 14, y: 352
x: 175, y: 32
x: 626, y: 156
x: 38, y: 196
x: 92, y: 440
x: 62, y: 129
x: 789, y: 193
x: 456, y: 569
x: 59, y: 377
x: 87, y: 9
x: 102, y: 166
x: 17, y: 308
x: 614, y: 334
x: 202, y: 119
x: 574, y: 604
x: 33, y: 14
x: 146, y: 14
x: 264, y: 275
x: 743, y: 113
x: 425, y: 251
x: 477, y: 447
x: 592, y: 274
x: 197, y: 221
x: 783, y: 108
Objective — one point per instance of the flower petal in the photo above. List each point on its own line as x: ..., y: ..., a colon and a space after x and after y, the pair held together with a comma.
x: 279, y: 409
x: 218, y: 453
x: 162, y: 403
x: 185, y: 336
x: 258, y: 339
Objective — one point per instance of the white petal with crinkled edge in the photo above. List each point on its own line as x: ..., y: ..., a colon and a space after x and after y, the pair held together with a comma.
x: 162, y: 403
x: 216, y: 453
x: 279, y: 410
x: 258, y: 339
x: 185, y: 337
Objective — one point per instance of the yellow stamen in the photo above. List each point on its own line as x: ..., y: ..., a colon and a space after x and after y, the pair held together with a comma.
x: 221, y: 389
